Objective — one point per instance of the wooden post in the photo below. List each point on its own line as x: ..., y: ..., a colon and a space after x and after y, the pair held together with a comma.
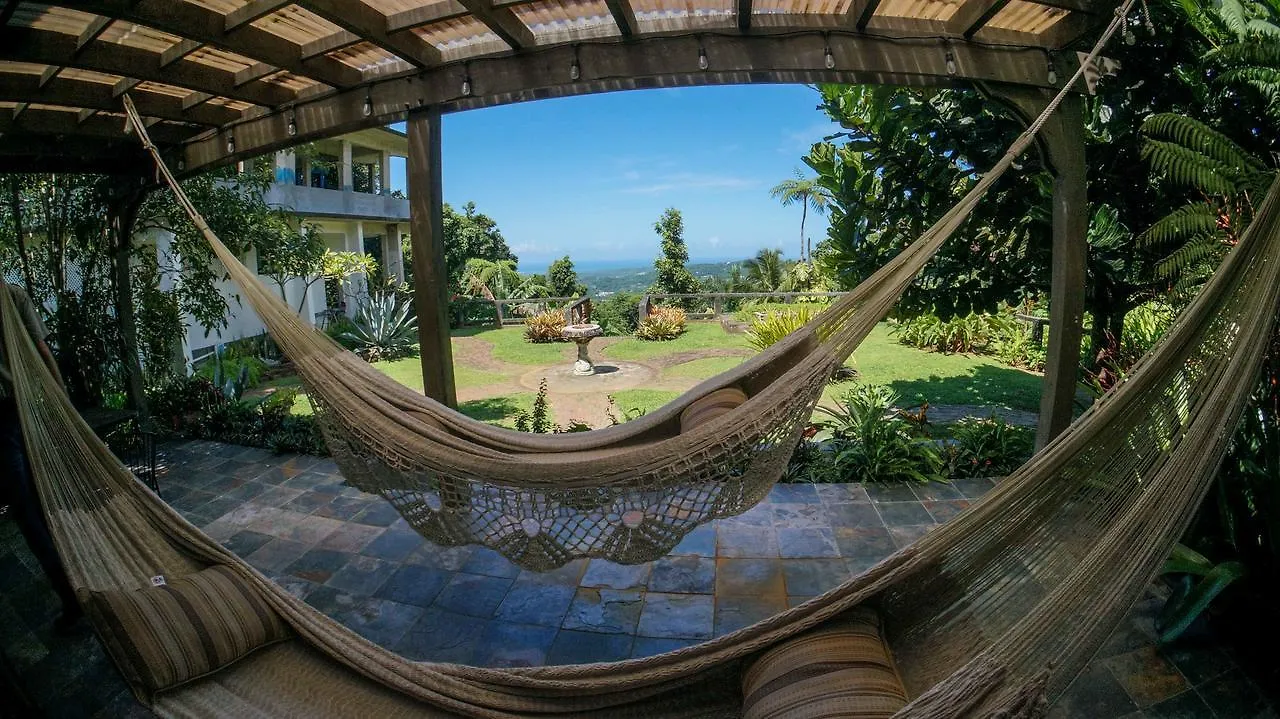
x: 717, y: 305
x: 497, y: 314
x: 430, y: 277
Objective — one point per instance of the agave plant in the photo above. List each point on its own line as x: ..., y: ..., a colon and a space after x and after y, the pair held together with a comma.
x: 383, y: 328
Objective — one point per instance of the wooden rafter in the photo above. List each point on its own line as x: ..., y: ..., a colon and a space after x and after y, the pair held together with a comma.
x: 55, y: 122
x: 49, y: 73
x: 368, y: 23
x: 98, y: 26
x: 256, y: 71
x: 624, y: 16
x: 200, y: 24
x: 861, y: 11
x: 328, y: 44
x: 744, y: 15
x: 973, y: 16
x: 425, y: 15
x: 7, y: 10
x: 52, y: 48
x: 65, y: 92
x: 502, y: 21
x: 178, y: 51
x: 254, y: 10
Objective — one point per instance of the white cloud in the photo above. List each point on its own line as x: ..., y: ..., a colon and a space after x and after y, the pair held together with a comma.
x: 692, y: 181
x: 714, y: 240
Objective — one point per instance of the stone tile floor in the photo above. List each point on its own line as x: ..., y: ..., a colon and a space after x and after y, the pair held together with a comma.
x: 351, y: 556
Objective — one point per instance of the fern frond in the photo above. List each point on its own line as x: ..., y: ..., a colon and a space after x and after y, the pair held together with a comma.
x: 1196, y: 252
x: 1186, y: 221
x: 1258, y: 52
x: 1189, y: 168
x: 1200, y: 138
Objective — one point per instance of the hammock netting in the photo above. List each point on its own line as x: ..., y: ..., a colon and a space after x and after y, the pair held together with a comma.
x: 986, y: 615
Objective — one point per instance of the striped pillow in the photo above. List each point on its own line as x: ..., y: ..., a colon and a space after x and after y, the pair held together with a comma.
x: 167, y: 635
x: 842, y: 670
x: 704, y: 409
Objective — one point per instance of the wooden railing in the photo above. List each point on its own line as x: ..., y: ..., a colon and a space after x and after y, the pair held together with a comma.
x: 716, y: 300
x: 513, y: 311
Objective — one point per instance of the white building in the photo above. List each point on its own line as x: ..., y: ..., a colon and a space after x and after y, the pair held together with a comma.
x: 342, y: 186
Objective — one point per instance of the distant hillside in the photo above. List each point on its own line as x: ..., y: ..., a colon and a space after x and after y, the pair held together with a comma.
x: 639, y: 279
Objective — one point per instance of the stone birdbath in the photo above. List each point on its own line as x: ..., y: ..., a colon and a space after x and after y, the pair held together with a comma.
x: 582, y: 334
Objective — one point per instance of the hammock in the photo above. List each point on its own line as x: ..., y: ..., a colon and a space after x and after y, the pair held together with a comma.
x: 628, y: 493
x: 977, y: 612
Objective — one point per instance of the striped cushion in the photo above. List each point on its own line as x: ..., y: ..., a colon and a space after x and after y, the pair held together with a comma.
x: 164, y: 636
x: 714, y: 404
x: 842, y: 670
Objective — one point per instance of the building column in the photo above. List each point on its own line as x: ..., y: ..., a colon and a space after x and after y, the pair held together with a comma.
x: 344, y: 167
x: 431, y: 279
x: 1062, y: 144
x: 384, y: 174
x: 286, y: 168
x: 393, y: 253
x: 305, y: 169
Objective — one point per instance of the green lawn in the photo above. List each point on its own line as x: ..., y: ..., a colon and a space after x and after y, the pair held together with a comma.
x: 699, y: 335
x: 509, y: 345
x: 498, y: 410
x: 701, y: 369
x: 641, y: 401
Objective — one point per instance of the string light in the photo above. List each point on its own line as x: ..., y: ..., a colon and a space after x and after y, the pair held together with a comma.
x: 293, y: 125
x: 951, y: 63
x: 368, y: 105
x: 1053, y: 73
x: 703, y: 63
x: 466, y: 83
x: 231, y: 144
x: 575, y: 71
x: 827, y: 58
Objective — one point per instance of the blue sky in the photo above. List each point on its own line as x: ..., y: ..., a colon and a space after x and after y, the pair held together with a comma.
x: 588, y: 176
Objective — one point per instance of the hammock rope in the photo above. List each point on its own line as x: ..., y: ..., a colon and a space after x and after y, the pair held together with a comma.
x: 987, y: 614
x: 627, y: 493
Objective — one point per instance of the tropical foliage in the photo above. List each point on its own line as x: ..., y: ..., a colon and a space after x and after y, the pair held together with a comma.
x: 810, y: 195
x: 545, y: 326
x: 989, y: 447
x: 764, y: 332
x: 562, y: 280
x: 673, y: 277
x: 663, y: 323
x: 973, y: 332
x: 872, y: 442
x: 500, y: 280
x: 383, y: 329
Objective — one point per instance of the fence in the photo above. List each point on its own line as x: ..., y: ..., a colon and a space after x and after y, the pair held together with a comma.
x: 716, y: 300
x: 513, y: 311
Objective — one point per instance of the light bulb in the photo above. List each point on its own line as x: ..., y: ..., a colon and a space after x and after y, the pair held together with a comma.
x: 703, y: 63
x: 1130, y: 38
x: 951, y: 64
x: 293, y: 126
x: 575, y: 72
x: 828, y: 59
x: 1053, y: 75
x: 231, y: 144
x: 368, y: 106
x: 466, y: 87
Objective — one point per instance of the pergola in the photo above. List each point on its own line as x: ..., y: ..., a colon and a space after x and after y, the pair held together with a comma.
x: 220, y: 81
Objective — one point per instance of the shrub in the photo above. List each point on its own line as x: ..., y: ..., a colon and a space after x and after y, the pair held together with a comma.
x: 1016, y: 348
x: 232, y: 372
x: 618, y: 314
x: 538, y: 418
x: 872, y: 443
x: 972, y: 333
x: 663, y: 323
x: 383, y: 328
x: 340, y: 328
x: 810, y: 463
x: 545, y: 327
x: 768, y: 330
x: 987, y: 447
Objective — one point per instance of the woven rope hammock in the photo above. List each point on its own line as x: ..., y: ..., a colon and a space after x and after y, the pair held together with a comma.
x: 628, y: 493
x: 987, y: 615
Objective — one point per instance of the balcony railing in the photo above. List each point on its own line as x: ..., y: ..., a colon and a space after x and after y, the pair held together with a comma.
x: 322, y: 202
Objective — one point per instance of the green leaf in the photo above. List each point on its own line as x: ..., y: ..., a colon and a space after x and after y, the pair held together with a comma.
x: 1176, y: 618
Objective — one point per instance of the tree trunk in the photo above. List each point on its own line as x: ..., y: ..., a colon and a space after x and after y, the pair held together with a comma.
x: 122, y: 213
x: 804, y: 215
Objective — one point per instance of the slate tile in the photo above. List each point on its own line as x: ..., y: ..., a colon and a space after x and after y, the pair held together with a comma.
x: 218, y: 507
x: 411, y: 584
x: 974, y: 487
x: 610, y: 611
x: 475, y: 594
x: 392, y: 546
x: 746, y: 542
x: 566, y: 575
x: 572, y: 647
x: 350, y: 537
x: 277, y: 496
x: 1148, y: 677
x: 750, y: 576
x: 245, y: 492
x: 443, y: 636
x: 890, y: 492
x: 701, y: 542
x: 341, y: 508
x: 686, y: 616
x: 650, y: 646
x: 842, y: 492
x: 733, y: 612
x: 1232, y: 695
x: 810, y: 577
x: 1198, y: 664
x: 945, y: 510
x: 490, y: 563
x: 760, y: 515
x: 684, y: 575
x: 801, y: 493
x: 275, y: 555
x: 318, y: 565
x: 1187, y: 705
x: 535, y: 603
x: 902, y: 514
x: 936, y: 491
x: 793, y: 515
x: 379, y: 514
x: 433, y: 555
x: 366, y: 575
x: 298, y: 587
x: 852, y: 514
x: 1095, y: 694
x: 794, y: 543
x: 514, y: 645
x: 309, y: 529
x: 864, y: 541
x: 307, y: 502
x: 611, y: 575
x: 906, y: 536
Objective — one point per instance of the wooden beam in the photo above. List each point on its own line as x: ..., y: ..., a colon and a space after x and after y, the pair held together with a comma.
x: 98, y: 26
x: 425, y: 15
x: 19, y: 110
x: 25, y: 152
x: 124, y: 85
x: 49, y: 73
x: 194, y: 100
x: 65, y: 92
x: 744, y: 15
x: 195, y: 22
x: 503, y: 22
x: 330, y: 43
x: 972, y: 16
x: 430, y: 275
x: 863, y: 10
x: 69, y: 124
x: 254, y: 10
x: 84, y: 115
x: 6, y: 12
x: 178, y: 51
x: 660, y: 61
x: 256, y: 71
x: 370, y: 24
x: 1069, y: 29
x: 53, y: 48
x: 624, y: 16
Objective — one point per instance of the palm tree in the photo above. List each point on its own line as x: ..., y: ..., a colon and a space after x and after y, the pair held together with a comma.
x: 767, y: 271
x: 807, y: 192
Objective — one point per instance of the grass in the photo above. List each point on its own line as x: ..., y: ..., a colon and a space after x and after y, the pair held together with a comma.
x: 509, y: 345
x: 698, y: 336
x: 498, y: 410
x: 634, y: 401
x: 701, y: 369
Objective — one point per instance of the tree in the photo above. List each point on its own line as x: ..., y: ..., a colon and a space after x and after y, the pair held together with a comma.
x: 500, y: 280
x: 808, y: 193
x: 767, y: 271
x: 562, y: 280
x: 292, y: 255
x: 672, y: 275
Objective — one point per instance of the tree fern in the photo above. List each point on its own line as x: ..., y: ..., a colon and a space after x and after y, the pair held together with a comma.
x: 1186, y: 222
x: 1200, y: 138
x: 1187, y: 168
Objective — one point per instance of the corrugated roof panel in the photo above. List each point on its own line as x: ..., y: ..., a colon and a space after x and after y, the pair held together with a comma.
x: 1021, y: 16
x: 139, y: 36
x: 553, y: 21
x: 364, y: 56
x: 941, y: 10
x: 296, y: 25
x: 655, y: 16
x: 56, y: 19
x: 461, y: 37
x: 800, y: 7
